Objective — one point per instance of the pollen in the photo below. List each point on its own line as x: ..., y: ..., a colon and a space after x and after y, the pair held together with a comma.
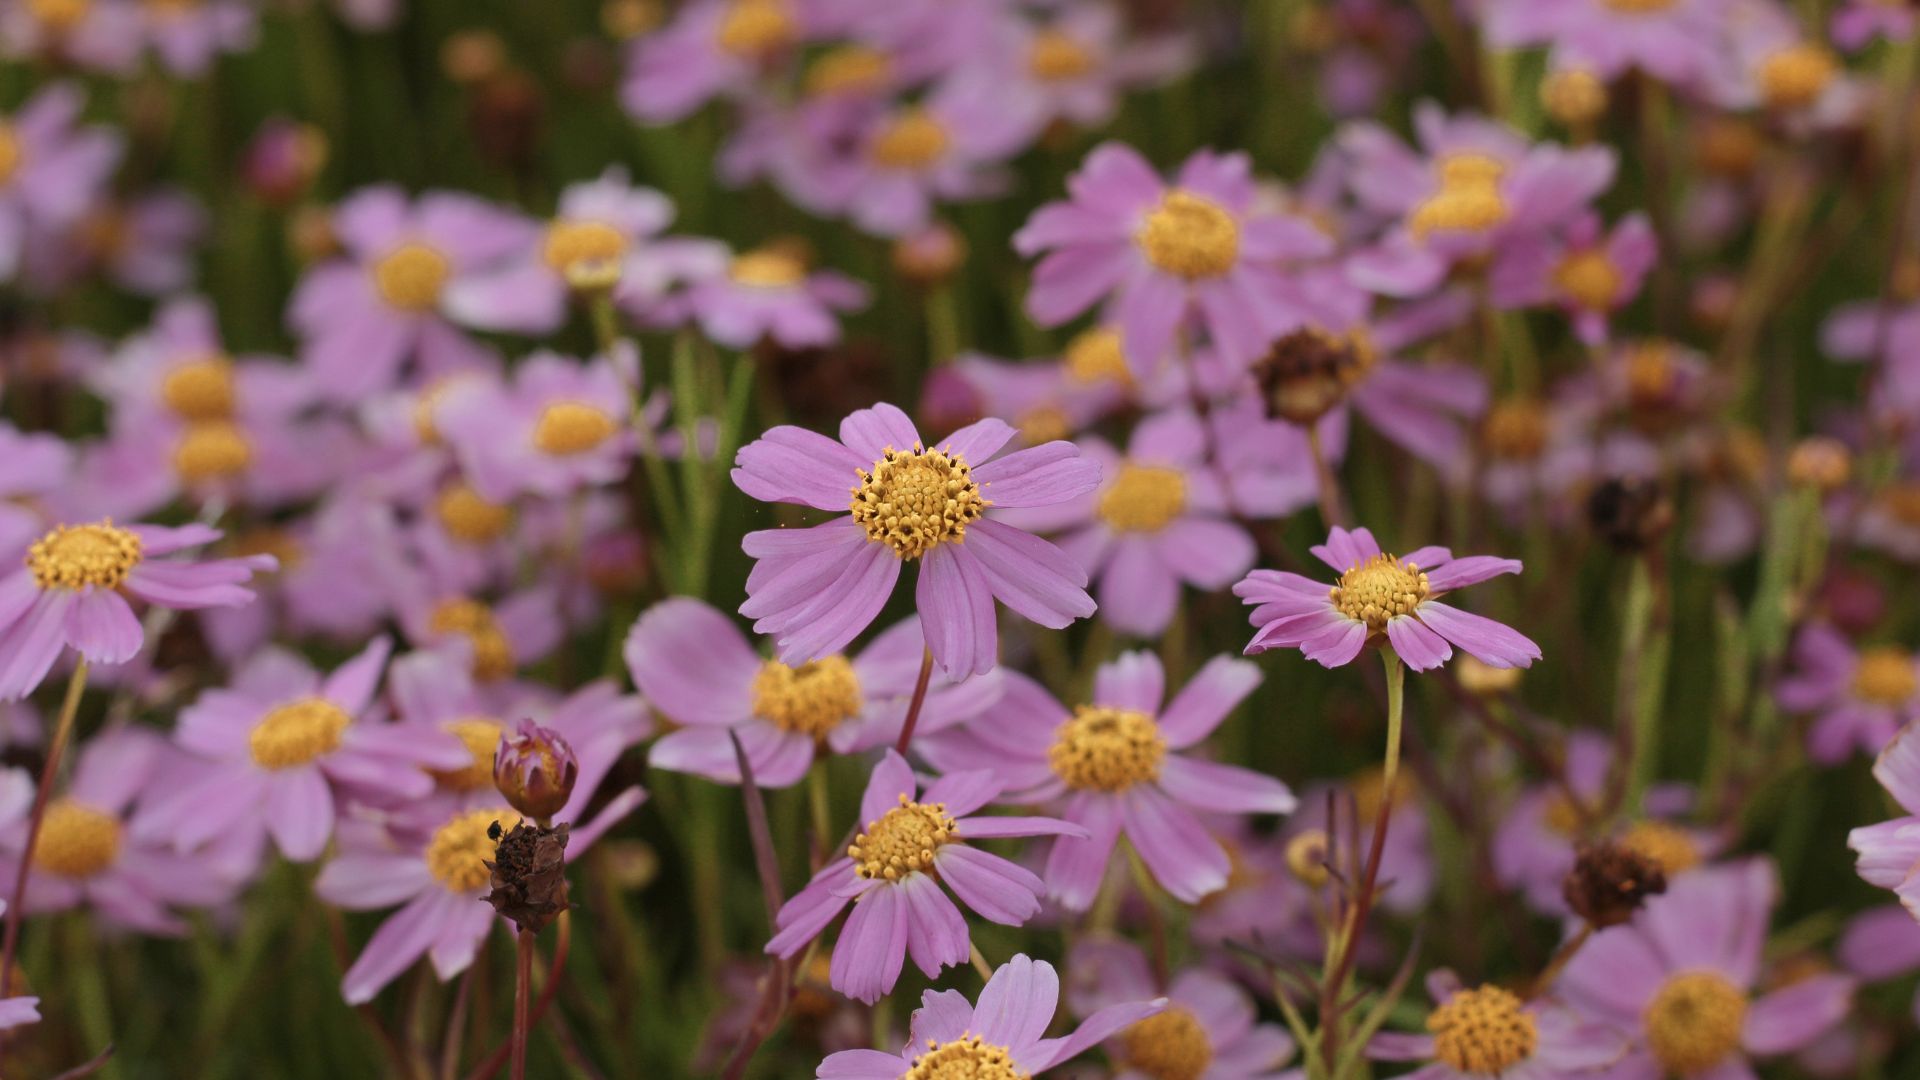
x: 1588, y: 278
x: 912, y: 140
x: 458, y: 853
x: 1096, y: 356
x: 1796, y: 76
x: 1469, y: 198
x: 849, y: 70
x: 1143, y: 498
x: 9, y: 152
x: 76, y: 841
x: 1694, y: 1021
x: 1884, y: 676
x: 902, y: 841
x: 1378, y: 590
x: 1667, y: 845
x: 469, y: 517
x: 575, y: 244
x: 1057, y: 57
x: 200, y: 389
x: 1106, y: 749
x: 76, y: 557
x: 1574, y: 96
x: 1515, y: 429
x: 754, y: 28
x: 296, y: 733
x: 411, y: 276
x: 1169, y: 1045
x: 212, y: 450
x: 58, y: 16
x: 965, y: 1058
x: 492, y: 653
x: 811, y: 699
x: 1190, y: 236
x: 916, y: 499
x: 481, y: 736
x: 566, y: 428
x: 767, y: 268
x: 1483, y: 1031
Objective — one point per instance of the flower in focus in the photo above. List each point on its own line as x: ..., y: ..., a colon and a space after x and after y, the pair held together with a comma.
x: 910, y: 844
x: 815, y: 589
x: 1208, y: 1027
x: 1382, y: 598
x: 1488, y: 1031
x: 1861, y: 696
x: 535, y: 769
x: 1001, y: 1036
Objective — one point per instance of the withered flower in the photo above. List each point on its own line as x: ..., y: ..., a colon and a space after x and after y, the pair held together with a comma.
x: 529, y: 874
x: 1609, y: 882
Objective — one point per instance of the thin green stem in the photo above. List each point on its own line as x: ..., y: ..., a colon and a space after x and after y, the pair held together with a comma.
x: 49, y: 774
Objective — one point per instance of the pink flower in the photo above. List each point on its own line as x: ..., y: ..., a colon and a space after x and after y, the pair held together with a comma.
x: 1589, y: 273
x: 55, y: 170
x: 892, y: 874
x: 1679, y: 42
x: 1488, y: 1025
x: 1862, y: 696
x: 1889, y: 852
x: 815, y: 589
x: 74, y: 588
x: 1209, y: 1026
x: 766, y: 294
x: 558, y: 427
x: 1382, y: 598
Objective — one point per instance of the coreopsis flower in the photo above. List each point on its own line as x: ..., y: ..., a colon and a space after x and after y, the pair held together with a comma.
x: 1677, y: 41
x: 51, y: 170
x: 76, y: 584
x: 1072, y: 63
x: 1117, y: 765
x: 1861, y: 696
x: 559, y: 426
x: 715, y: 48
x: 1208, y: 1027
x: 1589, y: 272
x: 145, y: 244
x: 1888, y: 852
x: 1858, y: 22
x: 913, y: 157
x: 1161, y: 254
x: 1054, y: 400
x: 430, y: 858
x: 1681, y: 978
x: 766, y: 294
x: 912, y: 843
x: 1489, y: 1031
x: 1001, y: 1036
x: 697, y: 668
x: 187, y: 38
x: 365, y: 314
x: 1382, y: 599
x: 815, y: 589
x: 494, y: 637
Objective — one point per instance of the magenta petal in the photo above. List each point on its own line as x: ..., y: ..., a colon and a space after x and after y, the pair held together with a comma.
x: 1494, y: 644
x: 873, y: 946
x: 861, y: 1065
x: 790, y: 464
x: 1099, y: 1027
x: 956, y: 611
x: 300, y: 812
x: 1075, y: 868
x: 1421, y: 648
x: 1223, y: 789
x: 1793, y: 1016
x: 1038, y: 476
x: 1028, y: 574
x: 1206, y: 700
x: 979, y: 440
x: 1468, y: 571
x: 936, y: 932
x: 1133, y: 680
x: 809, y: 911
x: 872, y: 432
x: 102, y: 627
x: 1186, y: 861
x: 404, y: 938
x: 998, y: 890
x: 1017, y: 1004
x: 891, y: 778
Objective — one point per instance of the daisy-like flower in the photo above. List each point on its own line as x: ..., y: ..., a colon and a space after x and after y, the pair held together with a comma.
x: 1488, y: 1032
x: 910, y: 845
x: 815, y: 589
x: 364, y: 315
x: 1861, y: 696
x: 1207, y: 1030
x: 1163, y: 253
x: 74, y: 588
x: 1680, y: 979
x: 713, y: 48
x: 700, y: 671
x: 767, y: 294
x: 144, y: 244
x: 1676, y: 41
x: 1382, y: 598
x: 557, y: 427
x: 51, y: 171
x: 1889, y: 852
x: 1116, y: 765
x: 943, y: 149
x: 284, y: 738
x: 1589, y: 274
x: 1000, y: 1038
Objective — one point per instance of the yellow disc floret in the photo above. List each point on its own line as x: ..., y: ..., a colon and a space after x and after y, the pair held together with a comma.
x: 572, y: 427
x: 850, y: 70
x: 492, y: 652
x: 1100, y: 748
x: 916, y: 499
x: 965, y: 1058
x: 9, y: 152
x: 1694, y: 1021
x: 296, y: 733
x: 100, y: 555
x: 212, y: 450
x: 58, y: 16
x: 459, y: 850
x: 902, y: 841
x: 411, y: 276
x: 1588, y: 279
x: 76, y: 840
x: 1143, y: 498
x: 481, y: 736
x: 767, y: 268
x: 1637, y: 7
x: 1483, y: 1031
x: 1667, y: 845
x: 753, y: 28
x: 1515, y: 429
x: 573, y: 244
x: 1169, y: 1045
x: 1469, y: 199
x: 1055, y: 56
x: 200, y: 389
x: 1796, y: 76
x: 1378, y: 590
x: 1095, y: 356
x: 811, y: 699
x: 912, y: 140
x: 1574, y: 96
x: 468, y: 516
x: 1190, y: 236
x: 1884, y: 675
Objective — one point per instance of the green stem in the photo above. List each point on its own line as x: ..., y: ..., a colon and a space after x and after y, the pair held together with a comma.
x: 49, y: 773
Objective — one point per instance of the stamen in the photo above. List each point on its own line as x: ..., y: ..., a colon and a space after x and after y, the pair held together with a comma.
x: 1796, y: 76
x: 1469, y: 198
x: 852, y: 70
x: 812, y: 699
x: 1667, y: 845
x: 77, y: 557
x: 754, y: 28
x: 767, y: 268
x: 1143, y: 498
x: 481, y: 736
x: 492, y: 652
x: 1515, y: 429
x: 468, y: 516
x: 200, y: 389
x: 10, y: 152
x: 572, y: 427
x: 1095, y: 356
x: 916, y: 499
x: 411, y: 276
x: 58, y: 16
x: 1588, y: 278
x: 1057, y: 57
x: 574, y: 244
x: 1884, y: 675
x: 1485, y: 1031
x: 1169, y: 1045
x: 1106, y: 749
x: 902, y: 841
x: 1379, y: 590
x: 912, y: 140
x: 296, y: 733
x: 1190, y: 236
x: 1695, y: 1021
x: 964, y: 1058
x: 212, y: 450
x: 76, y: 841
x: 457, y: 854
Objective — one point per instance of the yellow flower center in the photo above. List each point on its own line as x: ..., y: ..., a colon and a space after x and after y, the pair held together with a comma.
x: 1795, y: 76
x: 1469, y: 198
x: 1637, y: 7
x: 1095, y: 356
x: 1169, y: 1045
x: 1588, y: 278
x: 212, y: 450
x: 767, y: 269
x: 481, y: 737
x: 1100, y: 748
x: 1574, y: 96
x: 916, y: 499
x: 9, y: 152
x: 200, y: 389
x: 572, y: 244
x: 492, y: 653
x: 100, y: 555
x: 1378, y: 590
x: 469, y: 517
x: 170, y: 9
x: 411, y: 276
x: 850, y: 70
x: 1651, y: 375
x: 1056, y: 56
x: 1515, y: 429
x: 455, y: 854
x: 753, y: 28
x: 1563, y: 816
x: 1694, y: 1021
x: 1667, y: 845
x: 1901, y: 502
x: 1143, y: 498
x: 1190, y: 237
x: 902, y: 841
x: 1483, y: 1031
x: 267, y: 540
x: 1307, y: 855
x: 965, y: 1058
x: 57, y: 16
x: 911, y: 140
x: 1044, y: 423
x: 811, y: 699
x: 296, y: 733
x: 1884, y: 676
x: 572, y: 427
x: 76, y: 841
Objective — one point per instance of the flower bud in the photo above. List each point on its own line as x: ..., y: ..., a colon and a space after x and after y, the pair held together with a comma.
x: 535, y: 769
x: 1307, y: 857
x: 930, y: 256
x: 283, y: 160
x: 1820, y: 462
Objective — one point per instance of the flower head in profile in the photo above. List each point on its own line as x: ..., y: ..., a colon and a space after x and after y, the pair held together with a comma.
x: 74, y: 588
x: 1489, y: 1031
x: 906, y: 501
x: 1860, y: 696
x: 1889, y: 851
x: 1001, y: 1037
x: 910, y: 844
x: 1382, y: 598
